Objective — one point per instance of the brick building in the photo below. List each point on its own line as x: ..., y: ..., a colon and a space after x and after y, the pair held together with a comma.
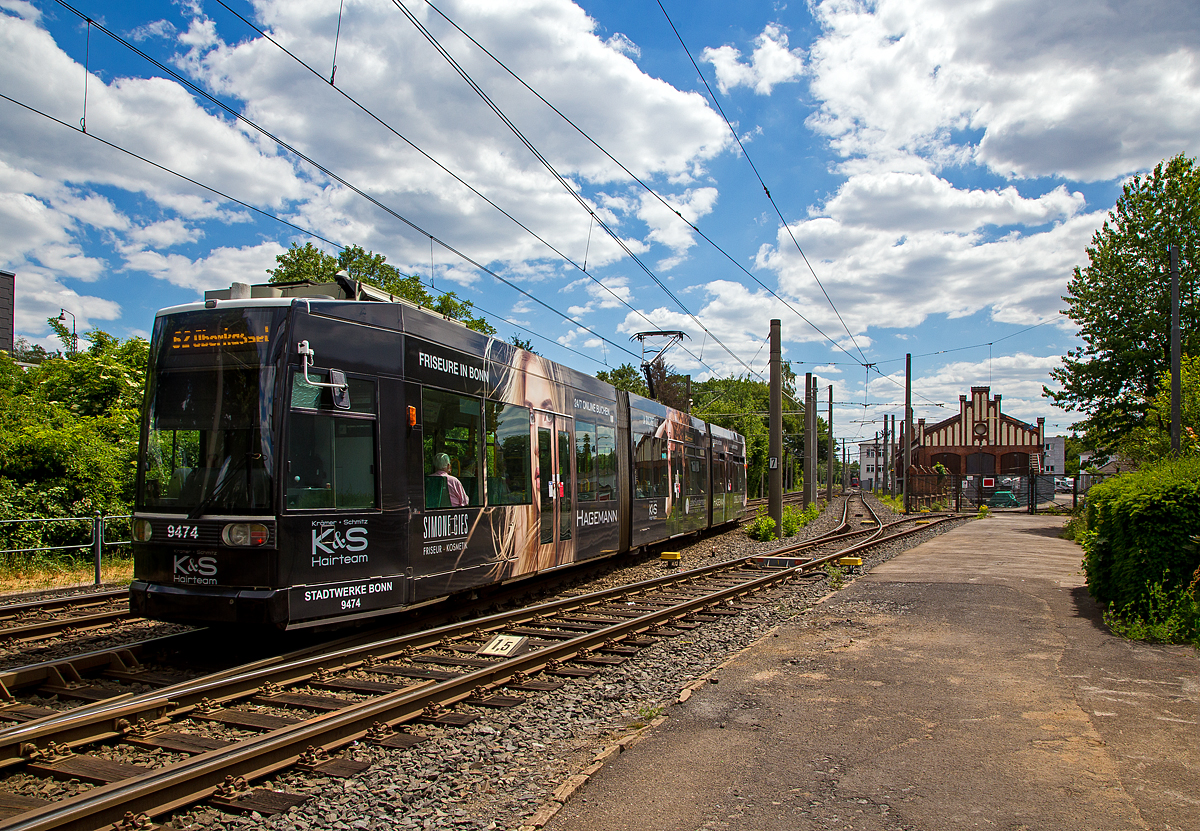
x: 979, y: 440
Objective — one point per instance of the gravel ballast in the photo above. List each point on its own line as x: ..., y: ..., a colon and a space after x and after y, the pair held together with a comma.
x: 505, y: 768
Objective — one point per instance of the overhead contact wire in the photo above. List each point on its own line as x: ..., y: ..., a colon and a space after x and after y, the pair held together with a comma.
x: 641, y: 182
x: 335, y: 177
x: 267, y: 214
x: 367, y: 111
x: 766, y: 190
x: 562, y: 181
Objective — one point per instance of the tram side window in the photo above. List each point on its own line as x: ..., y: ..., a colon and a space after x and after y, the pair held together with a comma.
x: 606, y: 462
x: 452, y: 437
x: 650, y: 466
x: 508, y: 456
x: 739, y: 478
x: 694, y: 472
x: 585, y: 461
x: 331, y: 456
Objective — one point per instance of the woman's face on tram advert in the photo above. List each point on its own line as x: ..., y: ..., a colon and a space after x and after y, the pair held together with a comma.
x: 528, y: 383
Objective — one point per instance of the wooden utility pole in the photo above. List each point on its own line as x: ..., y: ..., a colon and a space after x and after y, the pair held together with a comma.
x: 907, y: 425
x: 775, y: 441
x: 829, y: 459
x: 1175, y: 350
x: 887, y: 457
x: 807, y: 488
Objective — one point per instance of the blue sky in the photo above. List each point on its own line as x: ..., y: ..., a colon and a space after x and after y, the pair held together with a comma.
x: 941, y: 164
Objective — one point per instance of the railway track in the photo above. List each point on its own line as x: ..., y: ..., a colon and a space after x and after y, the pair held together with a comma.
x: 46, y: 617
x: 368, y: 691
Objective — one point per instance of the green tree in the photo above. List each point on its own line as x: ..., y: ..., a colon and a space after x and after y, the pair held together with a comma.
x: 1150, y: 440
x: 521, y: 343
x: 69, y: 437
x: 307, y: 262
x: 625, y: 377
x: 1121, y: 302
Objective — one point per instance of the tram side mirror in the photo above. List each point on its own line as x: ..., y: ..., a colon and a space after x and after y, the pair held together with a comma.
x: 339, y: 388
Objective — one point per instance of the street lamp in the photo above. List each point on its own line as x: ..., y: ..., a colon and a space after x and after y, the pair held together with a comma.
x: 62, y: 316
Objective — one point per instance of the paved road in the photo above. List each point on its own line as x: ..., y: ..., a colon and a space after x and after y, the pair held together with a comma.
x: 968, y: 683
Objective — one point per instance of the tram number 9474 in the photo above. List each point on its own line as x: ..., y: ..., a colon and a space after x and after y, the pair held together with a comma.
x: 352, y: 603
x: 183, y: 532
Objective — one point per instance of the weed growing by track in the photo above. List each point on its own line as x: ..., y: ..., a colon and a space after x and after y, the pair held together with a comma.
x: 763, y: 526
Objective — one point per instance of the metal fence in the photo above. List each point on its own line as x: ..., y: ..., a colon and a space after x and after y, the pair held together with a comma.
x: 93, y: 534
x: 1030, y: 493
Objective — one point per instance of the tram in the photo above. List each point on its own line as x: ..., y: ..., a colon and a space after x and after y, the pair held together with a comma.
x: 318, y: 453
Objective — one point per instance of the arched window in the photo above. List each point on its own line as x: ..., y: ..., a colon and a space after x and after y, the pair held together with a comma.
x: 1017, y: 463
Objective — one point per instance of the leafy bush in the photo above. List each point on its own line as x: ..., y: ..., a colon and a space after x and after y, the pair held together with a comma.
x: 896, y: 503
x: 763, y: 526
x: 1141, y: 557
x: 1169, y: 616
x: 1075, y: 527
x: 794, y: 519
x: 68, y: 444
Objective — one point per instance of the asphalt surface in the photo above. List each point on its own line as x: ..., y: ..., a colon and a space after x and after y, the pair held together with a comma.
x: 967, y: 683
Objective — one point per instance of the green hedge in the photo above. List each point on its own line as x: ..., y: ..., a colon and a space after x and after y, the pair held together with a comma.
x: 1139, y: 534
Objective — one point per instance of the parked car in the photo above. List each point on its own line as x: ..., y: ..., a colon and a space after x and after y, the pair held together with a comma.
x: 1003, y: 499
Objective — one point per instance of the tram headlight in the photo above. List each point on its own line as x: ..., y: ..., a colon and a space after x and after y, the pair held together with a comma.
x: 244, y: 533
x: 142, y: 529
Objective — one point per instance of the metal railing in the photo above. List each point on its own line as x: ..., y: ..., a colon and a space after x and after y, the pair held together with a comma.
x: 1032, y: 493
x: 96, y: 543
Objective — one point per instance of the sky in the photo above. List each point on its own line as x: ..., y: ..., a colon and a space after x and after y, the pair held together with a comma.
x: 935, y: 170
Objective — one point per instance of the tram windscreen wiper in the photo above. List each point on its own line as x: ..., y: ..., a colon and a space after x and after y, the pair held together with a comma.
x: 223, y: 483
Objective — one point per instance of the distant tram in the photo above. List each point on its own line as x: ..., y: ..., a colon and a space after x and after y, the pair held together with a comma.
x: 313, y: 453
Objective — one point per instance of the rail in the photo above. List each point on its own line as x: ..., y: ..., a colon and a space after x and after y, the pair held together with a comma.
x: 96, y: 543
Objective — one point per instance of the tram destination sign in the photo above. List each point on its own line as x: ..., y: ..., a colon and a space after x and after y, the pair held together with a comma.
x: 217, y: 337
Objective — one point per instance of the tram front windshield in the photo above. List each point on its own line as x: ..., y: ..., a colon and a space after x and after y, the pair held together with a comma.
x: 209, y: 447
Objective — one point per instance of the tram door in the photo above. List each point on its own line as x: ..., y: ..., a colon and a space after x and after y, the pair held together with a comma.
x: 556, y: 485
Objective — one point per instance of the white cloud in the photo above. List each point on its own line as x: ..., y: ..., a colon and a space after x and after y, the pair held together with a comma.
x: 1016, y: 377
x: 1088, y: 90
x: 40, y: 295
x: 154, y: 29
x: 220, y: 268
x: 654, y: 129
x: 619, y: 43
x: 164, y: 234
x: 771, y: 63
x: 668, y: 229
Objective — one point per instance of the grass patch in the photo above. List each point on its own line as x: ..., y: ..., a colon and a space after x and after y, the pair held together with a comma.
x: 39, y: 573
x: 837, y: 577
x: 896, y: 503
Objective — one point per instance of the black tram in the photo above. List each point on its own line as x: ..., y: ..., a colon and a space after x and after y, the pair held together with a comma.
x: 312, y: 453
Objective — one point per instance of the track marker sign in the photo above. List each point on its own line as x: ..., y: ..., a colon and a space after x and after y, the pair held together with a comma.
x: 989, y: 483
x: 503, y: 646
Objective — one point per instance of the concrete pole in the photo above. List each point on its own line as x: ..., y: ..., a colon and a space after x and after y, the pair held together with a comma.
x: 806, y: 485
x: 907, y: 424
x: 775, y: 442
x: 816, y: 454
x: 887, y: 455
x: 1175, y: 350
x: 829, y: 459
